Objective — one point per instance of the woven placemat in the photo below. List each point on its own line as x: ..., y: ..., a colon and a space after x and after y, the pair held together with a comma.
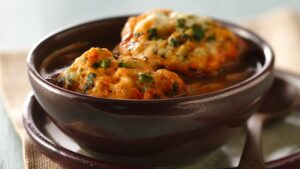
x: 14, y: 87
x: 281, y: 28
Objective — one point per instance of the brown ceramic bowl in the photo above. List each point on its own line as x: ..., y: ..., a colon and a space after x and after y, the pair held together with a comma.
x: 150, y: 133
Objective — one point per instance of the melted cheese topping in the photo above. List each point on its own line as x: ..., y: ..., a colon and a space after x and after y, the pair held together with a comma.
x: 180, y: 42
x: 97, y: 73
x: 153, y: 45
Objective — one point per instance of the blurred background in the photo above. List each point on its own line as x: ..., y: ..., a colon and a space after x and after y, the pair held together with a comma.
x: 25, y: 22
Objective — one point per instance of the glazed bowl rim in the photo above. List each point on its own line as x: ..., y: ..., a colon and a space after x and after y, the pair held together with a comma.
x: 253, y: 37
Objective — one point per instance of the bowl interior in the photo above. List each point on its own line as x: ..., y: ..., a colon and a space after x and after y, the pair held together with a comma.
x: 161, y: 128
x: 60, y: 49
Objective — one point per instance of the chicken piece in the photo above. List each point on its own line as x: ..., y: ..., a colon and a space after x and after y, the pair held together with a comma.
x: 135, y: 84
x: 80, y: 75
x: 98, y: 73
x: 179, y: 42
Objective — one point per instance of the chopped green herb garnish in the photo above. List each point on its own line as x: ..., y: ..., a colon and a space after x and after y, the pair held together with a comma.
x: 65, y: 81
x: 102, y: 64
x: 181, y: 23
x: 60, y: 81
x: 69, y: 82
x: 152, y: 34
x: 89, y: 81
x: 137, y: 34
x: 211, y: 38
x: 96, y: 65
x: 198, y: 32
x: 175, y: 88
x: 145, y: 78
x: 174, y: 42
x: 123, y: 64
x: 105, y: 63
x: 207, y: 23
x: 144, y: 89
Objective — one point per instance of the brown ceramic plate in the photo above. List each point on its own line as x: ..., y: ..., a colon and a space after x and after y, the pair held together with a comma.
x: 281, y: 142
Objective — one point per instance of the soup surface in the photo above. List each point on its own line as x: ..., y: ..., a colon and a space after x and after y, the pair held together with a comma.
x: 162, y: 54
